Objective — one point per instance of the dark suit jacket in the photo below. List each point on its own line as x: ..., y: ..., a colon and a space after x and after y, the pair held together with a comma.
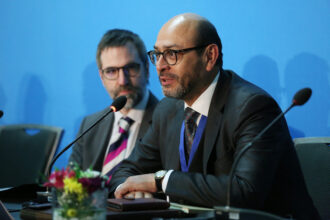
x: 268, y: 176
x: 90, y: 150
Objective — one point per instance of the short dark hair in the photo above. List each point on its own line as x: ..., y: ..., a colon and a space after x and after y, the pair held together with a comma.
x: 207, y: 34
x: 120, y: 37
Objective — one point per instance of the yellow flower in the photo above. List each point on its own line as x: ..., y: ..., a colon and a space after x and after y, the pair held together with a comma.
x: 72, y: 186
x: 71, y: 212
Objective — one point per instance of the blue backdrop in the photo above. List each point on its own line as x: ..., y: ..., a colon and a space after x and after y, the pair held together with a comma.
x: 47, y: 54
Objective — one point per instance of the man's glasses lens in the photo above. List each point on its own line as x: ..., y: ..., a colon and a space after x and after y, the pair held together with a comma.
x: 152, y: 55
x: 131, y: 70
x: 170, y: 56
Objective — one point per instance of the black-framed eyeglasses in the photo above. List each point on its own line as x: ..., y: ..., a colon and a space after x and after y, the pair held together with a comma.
x: 130, y: 69
x: 170, y: 56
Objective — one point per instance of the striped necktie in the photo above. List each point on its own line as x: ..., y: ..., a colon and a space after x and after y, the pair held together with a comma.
x: 190, y: 129
x: 117, y: 149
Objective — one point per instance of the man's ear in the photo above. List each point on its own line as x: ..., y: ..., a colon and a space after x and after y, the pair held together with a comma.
x: 101, y: 76
x: 211, y: 55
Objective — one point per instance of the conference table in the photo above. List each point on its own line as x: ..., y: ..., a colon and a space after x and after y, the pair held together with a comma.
x: 15, y: 204
x: 17, y: 201
x: 18, y: 212
x: 218, y: 214
x: 27, y: 214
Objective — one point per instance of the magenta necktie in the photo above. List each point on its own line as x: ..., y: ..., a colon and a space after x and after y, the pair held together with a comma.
x: 117, y: 148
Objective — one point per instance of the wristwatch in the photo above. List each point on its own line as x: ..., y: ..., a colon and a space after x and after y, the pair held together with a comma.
x: 159, y: 176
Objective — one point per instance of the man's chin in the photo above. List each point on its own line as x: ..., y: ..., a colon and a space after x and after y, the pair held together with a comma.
x: 173, y: 93
x: 129, y: 104
x: 132, y: 101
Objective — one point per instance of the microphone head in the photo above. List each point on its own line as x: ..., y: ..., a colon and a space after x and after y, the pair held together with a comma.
x: 118, y: 103
x: 1, y: 113
x: 302, y: 96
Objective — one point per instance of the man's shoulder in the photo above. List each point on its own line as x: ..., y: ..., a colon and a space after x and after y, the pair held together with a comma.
x: 169, y: 103
x: 153, y: 100
x: 242, y: 90
x: 98, y: 113
x: 168, y: 106
x: 91, y: 118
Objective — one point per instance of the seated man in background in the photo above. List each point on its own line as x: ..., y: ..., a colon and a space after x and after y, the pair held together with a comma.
x: 124, y: 70
x: 208, y: 116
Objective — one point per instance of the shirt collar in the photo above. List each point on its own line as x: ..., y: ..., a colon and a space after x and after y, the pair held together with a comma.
x: 203, y: 102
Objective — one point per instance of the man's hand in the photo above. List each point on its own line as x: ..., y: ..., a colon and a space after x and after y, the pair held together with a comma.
x: 135, y: 185
x: 138, y: 195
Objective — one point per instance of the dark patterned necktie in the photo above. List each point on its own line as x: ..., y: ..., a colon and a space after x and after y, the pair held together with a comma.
x: 190, y: 129
x: 117, y: 148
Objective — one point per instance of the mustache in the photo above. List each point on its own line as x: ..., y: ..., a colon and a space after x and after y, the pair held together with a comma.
x: 129, y: 88
x: 133, y: 89
x: 168, y: 75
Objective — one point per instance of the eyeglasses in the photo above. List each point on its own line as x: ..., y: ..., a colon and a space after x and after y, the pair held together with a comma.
x: 130, y: 69
x: 170, y: 56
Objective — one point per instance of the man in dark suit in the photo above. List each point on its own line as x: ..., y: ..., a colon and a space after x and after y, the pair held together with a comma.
x: 230, y: 113
x: 124, y: 70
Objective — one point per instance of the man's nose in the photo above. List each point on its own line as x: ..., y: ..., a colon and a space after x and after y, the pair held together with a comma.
x: 123, y: 78
x: 161, y: 64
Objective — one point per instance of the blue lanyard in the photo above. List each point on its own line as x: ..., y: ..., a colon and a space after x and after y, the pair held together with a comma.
x: 197, y: 138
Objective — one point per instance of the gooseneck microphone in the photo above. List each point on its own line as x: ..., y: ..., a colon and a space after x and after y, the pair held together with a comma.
x: 117, y: 105
x: 300, y: 98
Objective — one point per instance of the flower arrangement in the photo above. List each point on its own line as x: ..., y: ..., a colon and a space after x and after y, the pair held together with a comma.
x: 78, y: 194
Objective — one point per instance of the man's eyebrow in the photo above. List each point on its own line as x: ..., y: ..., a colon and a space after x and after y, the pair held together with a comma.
x: 129, y: 63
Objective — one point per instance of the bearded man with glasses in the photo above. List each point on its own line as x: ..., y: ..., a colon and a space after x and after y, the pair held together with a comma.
x: 208, y: 116
x: 124, y: 70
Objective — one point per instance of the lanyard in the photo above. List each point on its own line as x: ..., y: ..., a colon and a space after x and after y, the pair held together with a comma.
x: 197, y: 138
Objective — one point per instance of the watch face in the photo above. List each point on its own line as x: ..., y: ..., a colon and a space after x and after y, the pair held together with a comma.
x: 160, y: 174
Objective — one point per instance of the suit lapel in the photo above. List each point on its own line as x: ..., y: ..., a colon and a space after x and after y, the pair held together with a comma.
x: 214, y: 120
x: 147, y: 117
x: 101, y: 142
x: 173, y: 144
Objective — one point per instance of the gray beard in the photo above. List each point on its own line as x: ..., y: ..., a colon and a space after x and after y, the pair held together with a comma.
x: 132, y: 100
x: 179, y: 93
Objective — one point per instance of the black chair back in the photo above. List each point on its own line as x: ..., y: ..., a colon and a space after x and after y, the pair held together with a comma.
x: 314, y: 157
x: 25, y: 152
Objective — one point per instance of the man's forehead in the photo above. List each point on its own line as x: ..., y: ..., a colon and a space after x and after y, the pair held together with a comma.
x: 119, y: 55
x: 124, y: 50
x: 176, y: 35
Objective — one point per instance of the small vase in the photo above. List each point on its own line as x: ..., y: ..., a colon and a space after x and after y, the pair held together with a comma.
x: 73, y: 207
